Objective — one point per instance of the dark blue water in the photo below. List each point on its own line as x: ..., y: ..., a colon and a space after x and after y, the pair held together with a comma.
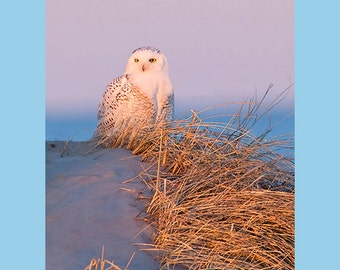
x: 279, y: 122
x: 75, y: 129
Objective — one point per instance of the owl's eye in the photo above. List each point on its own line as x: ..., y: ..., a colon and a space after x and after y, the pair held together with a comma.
x: 136, y: 60
x: 152, y: 60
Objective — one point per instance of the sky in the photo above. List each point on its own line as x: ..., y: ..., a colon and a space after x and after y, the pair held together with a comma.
x: 218, y: 51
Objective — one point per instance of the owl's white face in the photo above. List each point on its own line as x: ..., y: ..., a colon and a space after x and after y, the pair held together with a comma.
x: 146, y: 60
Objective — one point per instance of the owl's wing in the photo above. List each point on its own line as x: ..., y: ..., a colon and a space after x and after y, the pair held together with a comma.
x: 111, y: 97
x: 167, y: 109
x: 123, y: 105
x: 108, y: 108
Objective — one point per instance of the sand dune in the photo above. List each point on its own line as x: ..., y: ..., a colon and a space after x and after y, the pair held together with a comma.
x: 88, y: 207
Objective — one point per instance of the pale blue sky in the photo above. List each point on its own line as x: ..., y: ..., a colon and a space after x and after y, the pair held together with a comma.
x: 218, y: 50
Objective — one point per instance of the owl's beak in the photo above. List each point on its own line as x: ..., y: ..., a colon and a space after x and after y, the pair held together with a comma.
x: 144, y: 67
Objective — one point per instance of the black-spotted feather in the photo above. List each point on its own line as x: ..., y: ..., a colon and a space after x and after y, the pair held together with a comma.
x: 123, y: 104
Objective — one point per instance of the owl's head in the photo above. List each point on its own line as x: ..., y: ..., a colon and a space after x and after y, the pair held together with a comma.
x: 147, y: 59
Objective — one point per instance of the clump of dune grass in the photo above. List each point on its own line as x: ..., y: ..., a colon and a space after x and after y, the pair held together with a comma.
x: 223, y: 198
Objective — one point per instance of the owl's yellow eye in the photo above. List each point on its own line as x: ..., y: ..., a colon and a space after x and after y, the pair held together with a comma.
x: 136, y: 60
x: 152, y: 60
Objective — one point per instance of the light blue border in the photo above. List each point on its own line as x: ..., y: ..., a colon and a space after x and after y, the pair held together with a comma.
x: 317, y: 134
x: 22, y: 69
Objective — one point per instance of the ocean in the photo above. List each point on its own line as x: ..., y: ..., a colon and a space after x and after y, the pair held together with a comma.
x: 81, y: 128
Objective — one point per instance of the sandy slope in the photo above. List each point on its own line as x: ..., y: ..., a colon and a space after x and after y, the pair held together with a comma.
x: 86, y: 207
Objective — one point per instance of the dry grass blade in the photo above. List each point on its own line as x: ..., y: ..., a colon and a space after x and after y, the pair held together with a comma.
x: 103, y: 264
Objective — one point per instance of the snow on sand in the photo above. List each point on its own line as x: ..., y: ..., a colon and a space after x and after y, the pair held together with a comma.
x: 88, y: 207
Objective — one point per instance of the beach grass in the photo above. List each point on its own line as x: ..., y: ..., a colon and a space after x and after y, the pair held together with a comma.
x: 104, y: 264
x: 223, y: 197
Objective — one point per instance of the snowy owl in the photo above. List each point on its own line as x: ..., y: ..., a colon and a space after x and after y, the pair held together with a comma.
x: 143, y: 95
